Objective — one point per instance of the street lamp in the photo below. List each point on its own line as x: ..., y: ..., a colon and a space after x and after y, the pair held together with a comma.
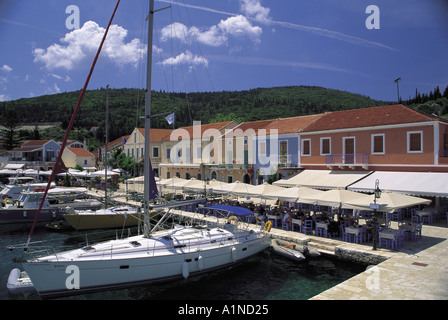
x: 377, y: 194
x: 398, y: 89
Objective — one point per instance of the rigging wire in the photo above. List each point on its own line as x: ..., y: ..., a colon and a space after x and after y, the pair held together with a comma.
x: 143, y: 35
x: 199, y: 48
x: 59, y: 163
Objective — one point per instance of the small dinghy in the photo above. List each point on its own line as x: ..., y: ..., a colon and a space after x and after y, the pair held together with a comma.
x: 19, y: 282
x: 292, y: 250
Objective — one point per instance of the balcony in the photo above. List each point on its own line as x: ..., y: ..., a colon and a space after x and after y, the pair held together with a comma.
x: 350, y: 160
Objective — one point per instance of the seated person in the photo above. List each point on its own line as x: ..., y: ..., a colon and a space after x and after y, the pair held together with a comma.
x: 287, y: 218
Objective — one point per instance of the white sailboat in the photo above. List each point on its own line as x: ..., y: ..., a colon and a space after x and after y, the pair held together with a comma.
x: 152, y: 257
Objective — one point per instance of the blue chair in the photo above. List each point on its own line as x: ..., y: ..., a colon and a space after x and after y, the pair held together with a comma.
x: 345, y: 236
x: 395, y: 216
x: 399, y: 241
x: 297, y: 225
x: 387, y: 243
x: 307, y: 228
x: 321, y: 232
x: 285, y: 225
x: 359, y: 238
x: 415, y: 218
x: 429, y: 219
x: 418, y: 231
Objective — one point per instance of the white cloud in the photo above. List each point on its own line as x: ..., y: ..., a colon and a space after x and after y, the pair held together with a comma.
x: 6, y: 68
x: 254, y: 10
x: 186, y: 58
x: 56, y: 76
x: 82, y: 43
x: 4, y: 97
x: 239, y: 26
x: 216, y: 35
x: 53, y: 89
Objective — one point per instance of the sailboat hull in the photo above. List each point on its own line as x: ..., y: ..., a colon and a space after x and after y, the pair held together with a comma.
x: 102, y: 221
x: 23, y: 215
x: 52, y: 279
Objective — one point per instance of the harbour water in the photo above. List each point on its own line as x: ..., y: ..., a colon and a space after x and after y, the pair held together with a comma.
x: 266, y: 276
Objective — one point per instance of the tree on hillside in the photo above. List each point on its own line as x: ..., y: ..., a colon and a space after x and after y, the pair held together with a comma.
x: 11, y: 124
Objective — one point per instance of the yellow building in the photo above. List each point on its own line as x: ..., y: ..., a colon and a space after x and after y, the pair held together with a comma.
x: 135, y: 146
x: 190, y: 152
x: 78, y: 156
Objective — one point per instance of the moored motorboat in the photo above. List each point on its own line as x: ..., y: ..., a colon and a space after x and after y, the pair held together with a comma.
x: 25, y: 209
x: 293, y: 250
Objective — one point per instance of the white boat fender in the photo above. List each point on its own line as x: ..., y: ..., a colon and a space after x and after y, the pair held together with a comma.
x: 13, y: 276
x: 234, y: 254
x: 185, y: 271
x: 200, y: 263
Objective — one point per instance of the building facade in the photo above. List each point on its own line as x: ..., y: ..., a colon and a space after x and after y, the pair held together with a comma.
x: 194, y: 151
x: 78, y: 156
x: 388, y: 138
x: 135, y: 146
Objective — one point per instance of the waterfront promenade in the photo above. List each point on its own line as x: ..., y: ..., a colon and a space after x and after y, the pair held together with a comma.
x: 417, y: 271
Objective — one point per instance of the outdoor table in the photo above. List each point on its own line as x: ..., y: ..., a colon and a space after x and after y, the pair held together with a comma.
x: 274, y: 218
x: 297, y: 222
x: 426, y: 215
x: 409, y: 227
x: 352, y: 230
x: 322, y: 228
x: 388, y: 234
x: 322, y: 225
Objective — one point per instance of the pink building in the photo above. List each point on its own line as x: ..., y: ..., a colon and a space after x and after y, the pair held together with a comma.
x: 388, y: 138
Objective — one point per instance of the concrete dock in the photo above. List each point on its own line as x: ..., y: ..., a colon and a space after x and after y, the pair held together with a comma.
x: 418, y: 271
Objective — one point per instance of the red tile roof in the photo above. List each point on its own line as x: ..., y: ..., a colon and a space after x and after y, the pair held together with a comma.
x: 33, y: 143
x: 282, y: 125
x: 294, y: 124
x: 249, y: 128
x: 368, y: 117
x: 210, y: 128
x: 80, y: 152
x: 156, y: 135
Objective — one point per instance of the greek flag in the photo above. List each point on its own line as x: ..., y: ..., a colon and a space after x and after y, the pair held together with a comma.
x: 170, y: 118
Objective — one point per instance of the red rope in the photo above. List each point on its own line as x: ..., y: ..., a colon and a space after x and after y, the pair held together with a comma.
x: 59, y: 164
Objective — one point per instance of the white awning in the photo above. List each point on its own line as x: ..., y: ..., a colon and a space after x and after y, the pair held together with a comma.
x: 323, y: 179
x: 14, y: 166
x: 388, y: 202
x: 411, y: 183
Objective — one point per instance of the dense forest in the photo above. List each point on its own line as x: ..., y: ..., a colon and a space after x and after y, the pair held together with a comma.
x: 127, y: 107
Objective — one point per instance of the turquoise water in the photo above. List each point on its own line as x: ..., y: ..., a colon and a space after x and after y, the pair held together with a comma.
x: 266, y: 276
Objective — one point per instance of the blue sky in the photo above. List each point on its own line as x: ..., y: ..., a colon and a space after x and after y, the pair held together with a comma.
x: 203, y: 45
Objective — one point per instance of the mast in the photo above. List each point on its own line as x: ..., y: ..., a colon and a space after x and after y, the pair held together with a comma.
x: 147, y: 166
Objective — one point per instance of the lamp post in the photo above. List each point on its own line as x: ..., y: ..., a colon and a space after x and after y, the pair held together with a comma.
x: 398, y: 89
x: 377, y: 194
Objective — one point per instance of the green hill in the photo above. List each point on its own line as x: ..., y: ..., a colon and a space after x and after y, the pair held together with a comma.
x: 127, y: 106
